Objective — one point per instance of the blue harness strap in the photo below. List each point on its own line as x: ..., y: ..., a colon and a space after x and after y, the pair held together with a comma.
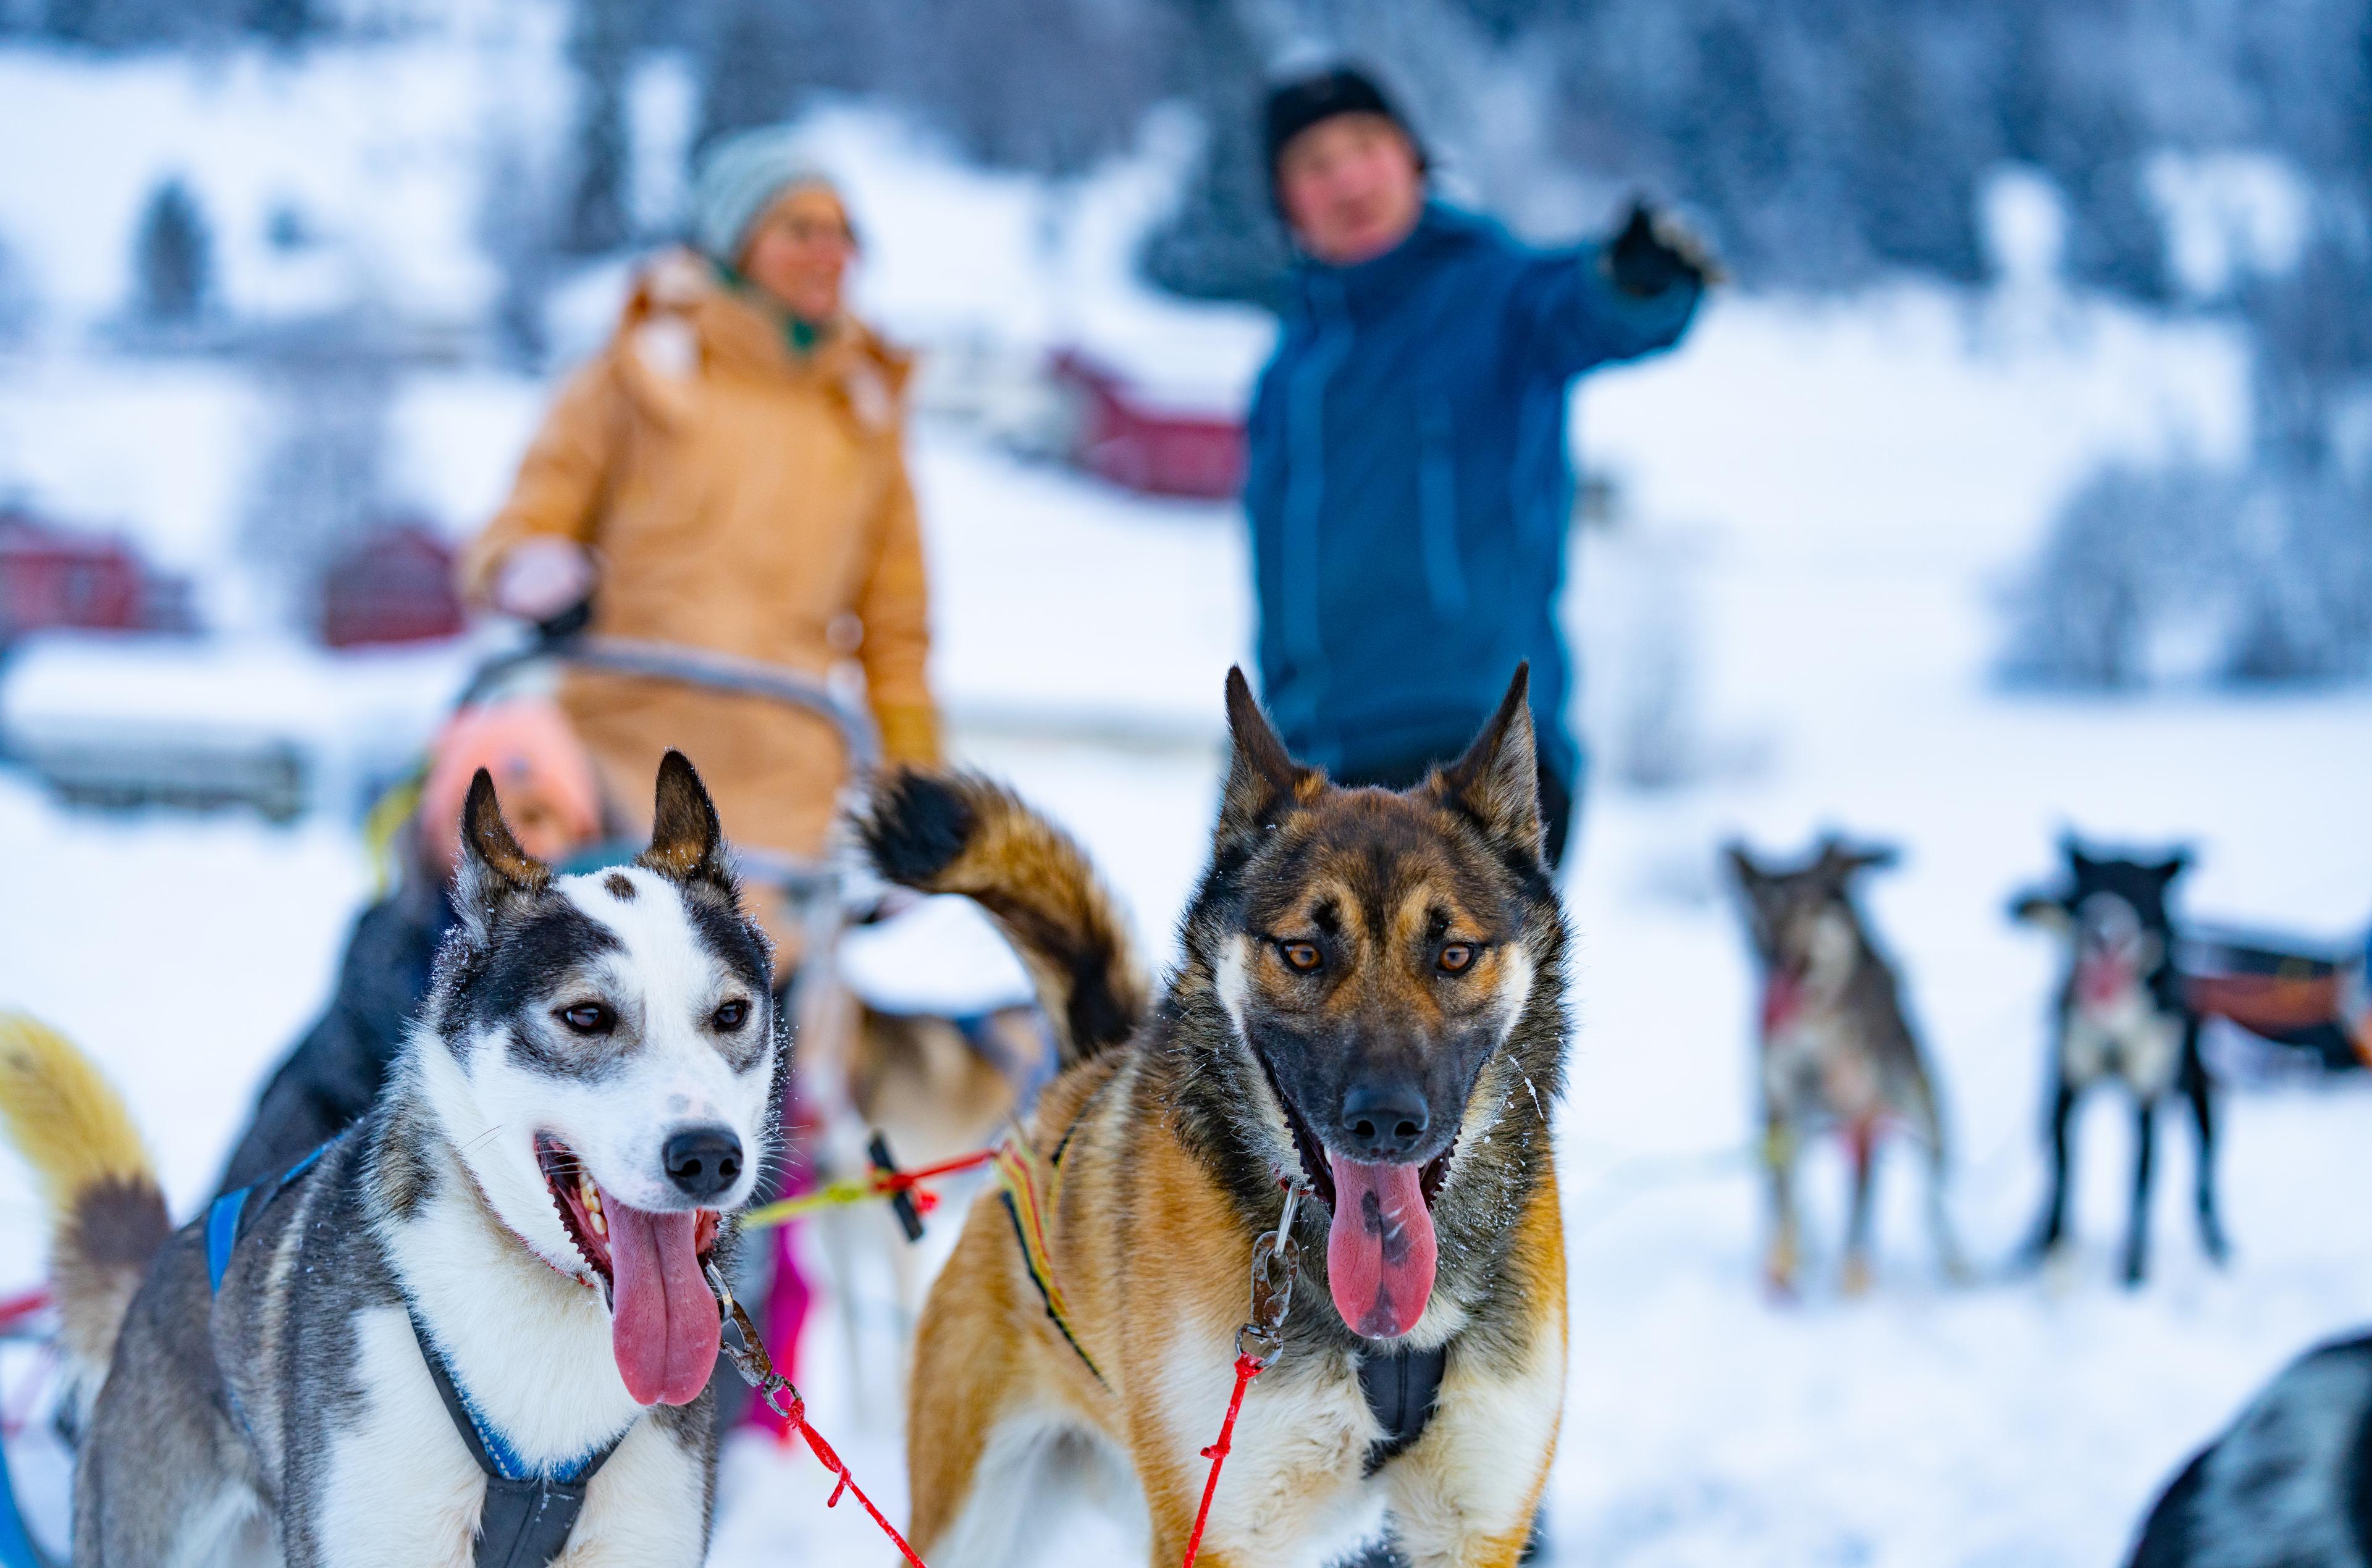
x: 529, y: 1512
x: 17, y: 1549
x: 222, y: 1234
x: 226, y: 1218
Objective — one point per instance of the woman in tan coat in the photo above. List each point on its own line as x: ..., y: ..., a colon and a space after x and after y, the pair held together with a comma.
x: 730, y: 474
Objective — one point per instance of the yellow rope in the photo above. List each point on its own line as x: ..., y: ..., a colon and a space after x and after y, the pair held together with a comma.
x: 837, y: 1194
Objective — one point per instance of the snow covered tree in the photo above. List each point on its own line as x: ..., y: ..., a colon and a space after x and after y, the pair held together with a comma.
x: 1223, y: 241
x: 284, y: 22
x: 173, y: 258
x: 515, y: 226
x: 1001, y: 102
x: 601, y: 48
x: 321, y: 481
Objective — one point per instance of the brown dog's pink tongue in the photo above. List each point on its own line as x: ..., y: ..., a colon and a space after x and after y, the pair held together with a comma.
x: 663, y: 1322
x: 1379, y: 1254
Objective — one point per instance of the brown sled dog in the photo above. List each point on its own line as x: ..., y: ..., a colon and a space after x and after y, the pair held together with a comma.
x: 1370, y: 1003
x: 1836, y: 1050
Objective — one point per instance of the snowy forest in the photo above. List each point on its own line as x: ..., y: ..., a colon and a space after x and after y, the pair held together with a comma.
x: 2209, y: 159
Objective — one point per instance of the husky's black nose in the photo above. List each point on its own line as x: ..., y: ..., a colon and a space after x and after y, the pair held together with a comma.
x: 1382, y: 1120
x: 702, y: 1161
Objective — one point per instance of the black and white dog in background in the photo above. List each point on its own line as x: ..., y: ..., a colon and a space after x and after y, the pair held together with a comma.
x: 477, y: 1327
x: 2122, y: 1017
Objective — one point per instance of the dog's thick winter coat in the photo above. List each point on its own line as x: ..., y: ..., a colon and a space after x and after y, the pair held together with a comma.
x: 1370, y: 1003
x: 590, y: 1088
x: 2288, y: 1484
x: 2121, y: 1016
x: 1836, y: 1050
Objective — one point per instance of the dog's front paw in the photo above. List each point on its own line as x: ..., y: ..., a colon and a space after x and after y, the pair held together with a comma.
x: 1779, y: 1271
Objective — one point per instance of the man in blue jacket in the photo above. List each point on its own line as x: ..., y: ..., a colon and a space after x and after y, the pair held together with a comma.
x: 1409, y: 487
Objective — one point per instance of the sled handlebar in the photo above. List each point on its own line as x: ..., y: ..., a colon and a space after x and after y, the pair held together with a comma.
x: 562, y: 641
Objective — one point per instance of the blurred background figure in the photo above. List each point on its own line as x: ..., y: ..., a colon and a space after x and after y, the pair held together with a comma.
x: 552, y: 801
x: 1410, y: 478
x: 730, y: 474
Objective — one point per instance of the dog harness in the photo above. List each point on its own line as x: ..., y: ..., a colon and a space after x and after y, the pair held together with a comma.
x: 529, y: 1512
x: 1401, y: 1390
x: 1401, y: 1387
x: 1016, y: 1177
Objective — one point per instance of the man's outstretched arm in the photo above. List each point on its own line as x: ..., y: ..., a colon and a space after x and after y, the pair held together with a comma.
x: 1633, y: 294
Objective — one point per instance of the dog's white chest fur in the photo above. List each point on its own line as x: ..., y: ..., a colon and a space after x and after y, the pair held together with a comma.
x: 1816, y: 1061
x: 402, y: 1491
x: 2127, y: 1036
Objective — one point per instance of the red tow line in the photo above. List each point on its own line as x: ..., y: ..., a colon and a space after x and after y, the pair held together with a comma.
x: 1247, y: 1368
x: 1276, y: 1259
x: 15, y: 1310
x: 756, y: 1368
x: 797, y: 1416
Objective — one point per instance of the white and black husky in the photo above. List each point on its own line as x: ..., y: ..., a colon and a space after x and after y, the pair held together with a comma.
x: 477, y: 1327
x: 2121, y: 1016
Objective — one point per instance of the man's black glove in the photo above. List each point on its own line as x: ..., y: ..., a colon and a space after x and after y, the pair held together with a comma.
x: 1653, y: 251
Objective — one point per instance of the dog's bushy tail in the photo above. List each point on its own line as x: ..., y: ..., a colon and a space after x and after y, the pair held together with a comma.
x: 941, y: 832
x: 106, y: 1215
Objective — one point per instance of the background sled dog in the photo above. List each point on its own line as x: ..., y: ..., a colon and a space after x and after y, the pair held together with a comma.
x: 2120, y: 1017
x: 1836, y: 1051
x: 523, y: 1216
x: 1370, y: 1003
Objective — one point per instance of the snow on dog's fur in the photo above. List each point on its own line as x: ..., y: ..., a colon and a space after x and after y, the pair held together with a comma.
x: 586, y: 1100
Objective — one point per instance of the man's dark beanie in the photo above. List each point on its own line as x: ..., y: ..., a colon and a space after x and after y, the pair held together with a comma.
x: 1296, y: 105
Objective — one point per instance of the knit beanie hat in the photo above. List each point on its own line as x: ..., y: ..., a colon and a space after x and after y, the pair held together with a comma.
x: 740, y: 179
x: 1295, y: 106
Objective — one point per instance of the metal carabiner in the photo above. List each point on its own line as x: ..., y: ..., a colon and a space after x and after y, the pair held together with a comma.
x: 750, y: 1358
x: 1276, y: 1259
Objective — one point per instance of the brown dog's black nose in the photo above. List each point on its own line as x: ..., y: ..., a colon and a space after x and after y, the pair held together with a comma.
x: 1382, y: 1120
x: 702, y: 1161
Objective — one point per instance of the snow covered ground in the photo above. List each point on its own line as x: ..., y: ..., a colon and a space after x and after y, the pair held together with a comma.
x: 1819, y: 504
x: 2003, y: 1422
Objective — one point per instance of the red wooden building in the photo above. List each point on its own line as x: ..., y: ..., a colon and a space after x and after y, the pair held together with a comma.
x: 1135, y: 438
x: 50, y: 578
x: 394, y: 586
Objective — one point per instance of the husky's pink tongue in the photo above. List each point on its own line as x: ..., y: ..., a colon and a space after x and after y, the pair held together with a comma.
x: 1380, y: 1255
x: 663, y: 1322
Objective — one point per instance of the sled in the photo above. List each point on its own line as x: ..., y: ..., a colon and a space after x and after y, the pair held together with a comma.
x: 2292, y: 991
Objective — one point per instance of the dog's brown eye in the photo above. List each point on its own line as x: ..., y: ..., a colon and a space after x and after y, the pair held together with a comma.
x: 589, y: 1019
x: 732, y: 1016
x: 1456, y: 959
x: 1299, y: 957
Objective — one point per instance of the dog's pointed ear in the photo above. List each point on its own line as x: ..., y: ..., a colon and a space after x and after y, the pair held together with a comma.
x: 1499, y: 778
x: 2072, y: 848
x: 1742, y: 867
x: 2035, y: 907
x: 2172, y: 867
x: 1851, y: 858
x: 494, y: 869
x: 1264, y: 781
x: 687, y: 839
